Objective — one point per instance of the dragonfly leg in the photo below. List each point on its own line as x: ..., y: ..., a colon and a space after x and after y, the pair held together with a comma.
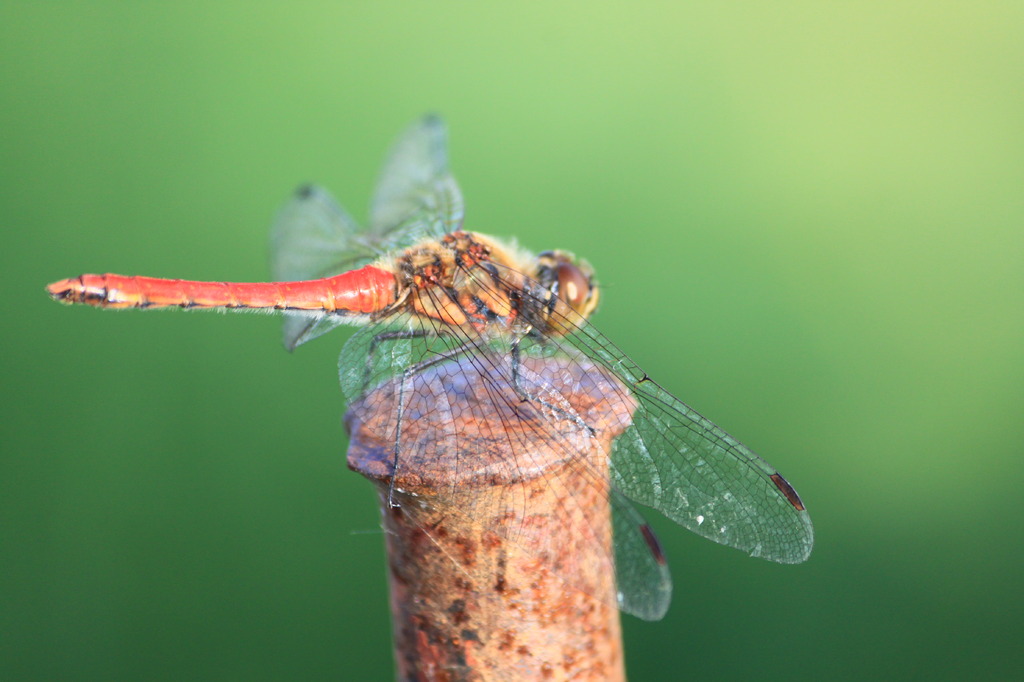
x: 526, y: 396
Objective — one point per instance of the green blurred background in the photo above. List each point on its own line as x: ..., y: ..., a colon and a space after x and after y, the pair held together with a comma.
x: 807, y: 218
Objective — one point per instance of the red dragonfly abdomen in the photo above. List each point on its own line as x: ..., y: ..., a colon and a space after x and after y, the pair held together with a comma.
x: 366, y: 290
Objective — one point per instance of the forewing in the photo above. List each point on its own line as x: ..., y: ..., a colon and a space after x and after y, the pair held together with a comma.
x: 683, y: 465
x: 416, y: 196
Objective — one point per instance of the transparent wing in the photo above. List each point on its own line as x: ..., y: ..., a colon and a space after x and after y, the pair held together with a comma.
x: 680, y: 463
x: 299, y: 328
x: 313, y: 236
x: 416, y: 196
x: 380, y: 354
x: 641, y: 570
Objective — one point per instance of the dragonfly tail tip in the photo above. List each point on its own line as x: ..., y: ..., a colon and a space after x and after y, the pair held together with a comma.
x: 62, y: 291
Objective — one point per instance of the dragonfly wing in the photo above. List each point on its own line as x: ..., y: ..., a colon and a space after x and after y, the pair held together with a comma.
x: 693, y: 472
x: 313, y: 236
x: 416, y: 196
x: 641, y: 571
x: 300, y: 328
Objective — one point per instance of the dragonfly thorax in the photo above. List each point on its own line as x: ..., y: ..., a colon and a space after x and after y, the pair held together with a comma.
x: 472, y: 279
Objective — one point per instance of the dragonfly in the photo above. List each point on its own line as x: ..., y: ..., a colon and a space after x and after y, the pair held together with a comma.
x: 427, y: 292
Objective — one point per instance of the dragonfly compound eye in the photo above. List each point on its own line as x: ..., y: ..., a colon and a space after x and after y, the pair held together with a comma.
x: 571, y: 280
x: 577, y: 288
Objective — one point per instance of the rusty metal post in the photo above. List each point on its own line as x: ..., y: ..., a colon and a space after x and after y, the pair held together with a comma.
x: 499, y: 549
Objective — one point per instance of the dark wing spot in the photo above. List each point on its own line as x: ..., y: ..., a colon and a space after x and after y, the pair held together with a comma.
x: 652, y: 543
x: 305, y: 191
x: 787, y: 490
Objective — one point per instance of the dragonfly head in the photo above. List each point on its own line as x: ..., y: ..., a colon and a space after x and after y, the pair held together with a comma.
x: 570, y: 279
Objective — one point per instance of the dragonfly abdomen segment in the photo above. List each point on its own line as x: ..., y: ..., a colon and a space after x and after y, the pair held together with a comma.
x: 366, y: 290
